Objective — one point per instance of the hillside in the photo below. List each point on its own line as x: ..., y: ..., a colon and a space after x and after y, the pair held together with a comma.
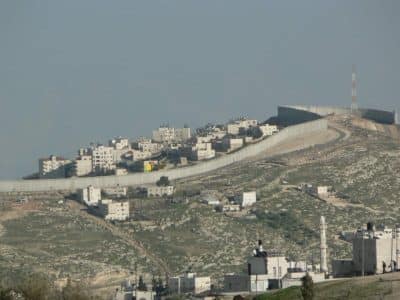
x: 172, y: 237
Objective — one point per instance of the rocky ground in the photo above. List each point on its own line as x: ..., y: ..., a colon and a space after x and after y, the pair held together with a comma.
x: 173, y: 236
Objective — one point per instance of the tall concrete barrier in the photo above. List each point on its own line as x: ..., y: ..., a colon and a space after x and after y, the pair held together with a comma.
x: 74, y: 183
x: 296, y: 114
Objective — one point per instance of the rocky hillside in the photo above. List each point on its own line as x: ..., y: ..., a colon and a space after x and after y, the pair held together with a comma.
x: 361, y: 165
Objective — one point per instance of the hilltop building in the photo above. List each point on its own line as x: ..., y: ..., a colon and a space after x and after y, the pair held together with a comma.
x: 199, y: 151
x: 119, y: 143
x: 189, y: 283
x: 146, y: 145
x: 52, y: 167
x: 82, y: 165
x: 169, y: 134
x: 102, y: 159
x: 235, y: 126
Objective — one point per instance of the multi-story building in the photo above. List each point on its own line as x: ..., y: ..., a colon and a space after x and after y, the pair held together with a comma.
x: 235, y: 126
x: 103, y: 159
x: 203, y: 151
x: 199, y: 151
x: 146, y: 145
x: 82, y: 165
x: 121, y: 146
x: 169, y: 134
x: 114, y: 210
x: 52, y: 167
x: 140, y: 155
x: 189, y: 283
x: 90, y: 195
x: 263, y: 268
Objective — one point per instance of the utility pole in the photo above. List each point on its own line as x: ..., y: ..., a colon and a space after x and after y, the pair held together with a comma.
x: 362, y: 253
x: 397, y: 249
x: 354, y: 106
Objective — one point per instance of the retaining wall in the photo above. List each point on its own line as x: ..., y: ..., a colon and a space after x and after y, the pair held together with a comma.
x: 289, y: 115
x: 149, y: 178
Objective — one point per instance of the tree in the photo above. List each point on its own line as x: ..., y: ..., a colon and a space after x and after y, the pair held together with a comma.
x: 307, y: 288
x: 141, y: 285
x: 163, y: 181
x: 36, y: 287
x: 5, y: 294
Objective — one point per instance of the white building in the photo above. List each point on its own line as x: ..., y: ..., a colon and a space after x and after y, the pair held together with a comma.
x: 159, y: 191
x: 247, y: 198
x: 374, y: 252
x: 137, y: 155
x: 203, y: 151
x: 146, y: 145
x: 189, y: 283
x: 119, y: 143
x: 234, y: 127
x: 322, y: 191
x: 82, y: 166
x: 268, y: 130
x: 169, y: 134
x: 199, y: 151
x: 90, y: 195
x: 182, y: 134
x: 52, y: 167
x: 114, y: 210
x: 263, y: 268
x: 103, y: 158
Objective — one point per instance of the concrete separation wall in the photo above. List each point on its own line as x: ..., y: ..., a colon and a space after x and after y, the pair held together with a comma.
x: 292, y: 114
x: 149, y: 178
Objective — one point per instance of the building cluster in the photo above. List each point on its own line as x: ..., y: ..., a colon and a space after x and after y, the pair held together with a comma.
x: 109, y: 209
x: 376, y: 250
x: 270, y: 270
x: 112, y: 204
x: 221, y: 203
x: 167, y: 145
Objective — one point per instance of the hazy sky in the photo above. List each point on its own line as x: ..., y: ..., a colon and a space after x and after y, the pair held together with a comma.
x: 72, y: 72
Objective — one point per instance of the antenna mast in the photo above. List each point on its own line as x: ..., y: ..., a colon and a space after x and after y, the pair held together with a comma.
x: 354, y: 106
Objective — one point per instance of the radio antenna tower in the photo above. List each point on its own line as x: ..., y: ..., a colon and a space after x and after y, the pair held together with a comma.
x: 354, y: 106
